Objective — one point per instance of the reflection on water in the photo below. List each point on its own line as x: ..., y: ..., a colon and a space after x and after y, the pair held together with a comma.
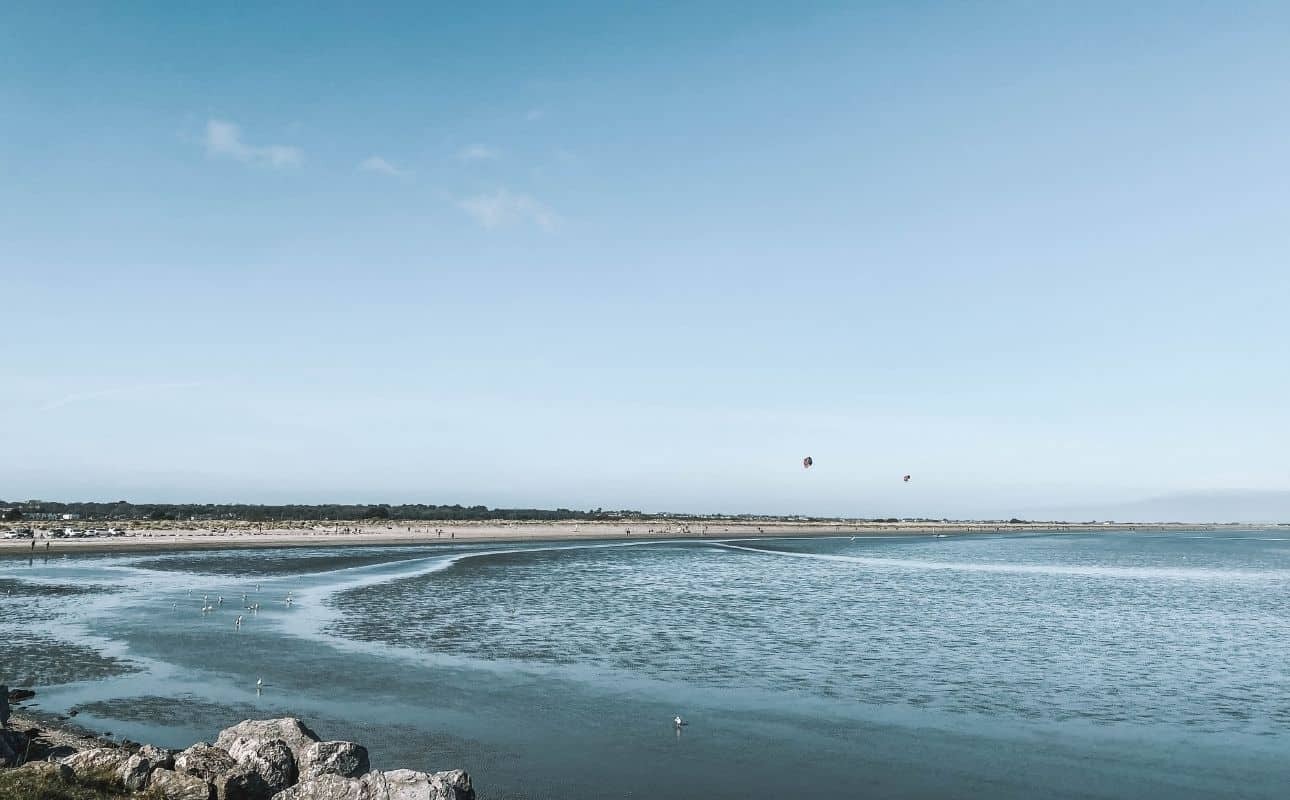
x: 893, y: 667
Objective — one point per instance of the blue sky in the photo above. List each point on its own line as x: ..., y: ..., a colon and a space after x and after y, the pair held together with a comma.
x: 646, y: 255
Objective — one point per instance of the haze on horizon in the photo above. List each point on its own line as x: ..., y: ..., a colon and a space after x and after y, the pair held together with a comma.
x: 1034, y: 256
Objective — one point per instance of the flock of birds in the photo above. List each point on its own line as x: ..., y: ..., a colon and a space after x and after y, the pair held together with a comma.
x: 254, y: 608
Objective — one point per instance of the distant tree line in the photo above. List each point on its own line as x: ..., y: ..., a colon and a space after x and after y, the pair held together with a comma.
x: 123, y: 510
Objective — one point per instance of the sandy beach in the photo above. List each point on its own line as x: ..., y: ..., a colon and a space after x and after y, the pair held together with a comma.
x: 177, y: 535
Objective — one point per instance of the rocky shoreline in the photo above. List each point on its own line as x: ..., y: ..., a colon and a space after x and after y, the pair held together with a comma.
x: 274, y: 759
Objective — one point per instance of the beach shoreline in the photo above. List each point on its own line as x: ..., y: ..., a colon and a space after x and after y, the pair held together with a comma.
x: 150, y: 536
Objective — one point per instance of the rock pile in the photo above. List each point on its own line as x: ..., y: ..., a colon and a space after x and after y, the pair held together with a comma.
x: 275, y: 759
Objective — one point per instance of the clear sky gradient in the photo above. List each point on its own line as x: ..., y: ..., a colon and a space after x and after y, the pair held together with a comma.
x: 646, y: 255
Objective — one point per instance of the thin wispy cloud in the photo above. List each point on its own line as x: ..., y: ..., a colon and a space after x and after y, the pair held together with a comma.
x: 80, y: 397
x: 503, y: 207
x: 535, y: 114
x: 381, y: 166
x: 224, y: 140
x: 477, y: 152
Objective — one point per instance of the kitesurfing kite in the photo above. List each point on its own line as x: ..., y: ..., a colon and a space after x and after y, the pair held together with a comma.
x: 807, y: 462
x: 906, y: 479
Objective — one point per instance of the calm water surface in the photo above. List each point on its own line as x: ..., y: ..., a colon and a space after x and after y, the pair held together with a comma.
x: 1091, y: 666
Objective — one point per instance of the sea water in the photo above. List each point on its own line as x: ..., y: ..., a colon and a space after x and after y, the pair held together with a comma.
x: 1099, y: 665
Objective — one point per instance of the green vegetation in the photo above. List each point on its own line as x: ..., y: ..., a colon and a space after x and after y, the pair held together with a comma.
x: 22, y: 784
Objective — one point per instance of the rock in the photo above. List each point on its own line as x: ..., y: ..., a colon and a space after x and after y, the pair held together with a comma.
x: 458, y: 781
x: 169, y: 785
x: 13, y: 747
x: 270, y: 765
x: 239, y: 783
x: 18, y: 695
x: 102, y: 761
x: 289, y: 729
x: 134, y: 773
x: 406, y: 784
x: 250, y: 781
x: 49, y: 770
x: 204, y: 761
x: 160, y: 759
x: 332, y: 787
x: 399, y: 784
x: 346, y: 759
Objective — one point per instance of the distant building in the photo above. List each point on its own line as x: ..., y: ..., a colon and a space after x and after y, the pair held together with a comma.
x: 66, y: 517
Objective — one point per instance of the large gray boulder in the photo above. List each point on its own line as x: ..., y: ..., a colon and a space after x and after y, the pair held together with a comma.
x: 346, y: 759
x: 204, y: 761
x: 406, y: 784
x: 244, y: 766
x: 130, y: 769
x: 332, y: 787
x: 134, y: 773
x: 169, y: 785
x: 160, y: 759
x: 269, y: 764
x: 289, y: 729
x: 399, y: 784
x: 458, y: 782
x: 243, y: 782
x: 101, y: 761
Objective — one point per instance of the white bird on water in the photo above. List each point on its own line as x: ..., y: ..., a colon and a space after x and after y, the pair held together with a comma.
x: 678, y: 722
x: 238, y: 622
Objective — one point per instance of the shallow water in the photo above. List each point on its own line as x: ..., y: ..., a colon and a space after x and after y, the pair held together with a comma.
x: 1099, y: 665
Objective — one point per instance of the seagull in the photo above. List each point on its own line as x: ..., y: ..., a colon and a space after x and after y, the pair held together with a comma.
x: 678, y: 722
x: 221, y: 600
x: 259, y: 685
x: 238, y: 622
